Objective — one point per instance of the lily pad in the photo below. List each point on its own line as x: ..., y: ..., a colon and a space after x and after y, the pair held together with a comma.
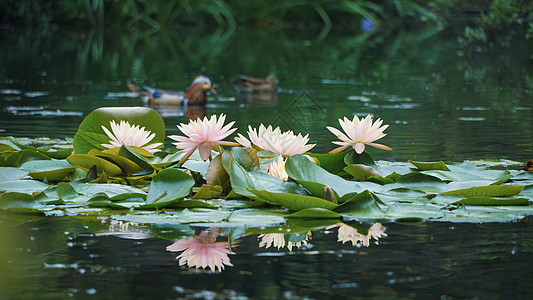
x: 169, y: 185
x: 315, y: 213
x: 9, y: 173
x: 486, y: 191
x: 87, y: 161
x: 21, y: 203
x: 299, y: 168
x: 294, y: 201
x: 52, y: 170
x: 90, y: 134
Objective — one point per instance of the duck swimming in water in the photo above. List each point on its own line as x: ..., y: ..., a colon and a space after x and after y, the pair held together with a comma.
x: 246, y: 84
x: 195, y: 95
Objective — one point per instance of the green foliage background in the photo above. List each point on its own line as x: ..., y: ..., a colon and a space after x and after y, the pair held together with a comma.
x: 490, y: 15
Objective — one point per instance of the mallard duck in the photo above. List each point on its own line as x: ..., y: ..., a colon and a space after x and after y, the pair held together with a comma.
x: 195, y: 95
x: 529, y: 166
x: 248, y: 84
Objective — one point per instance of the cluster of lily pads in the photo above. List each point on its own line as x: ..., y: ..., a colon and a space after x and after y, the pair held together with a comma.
x: 234, y: 186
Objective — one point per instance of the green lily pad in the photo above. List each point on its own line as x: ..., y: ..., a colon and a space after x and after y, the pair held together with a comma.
x: 294, y: 201
x: 486, y: 191
x: 352, y: 158
x: 9, y: 173
x: 361, y: 206
x: 127, y: 166
x: 333, y: 163
x: 52, y: 170
x: 256, y: 217
x: 183, y: 217
x: 23, y: 186
x: 169, y: 185
x: 208, y: 192
x: 426, y: 166
x: 21, y: 203
x: 300, y: 168
x: 242, y: 182
x: 87, y: 161
x: 493, y: 201
x: 90, y: 134
x: 315, y: 213
x: 361, y: 172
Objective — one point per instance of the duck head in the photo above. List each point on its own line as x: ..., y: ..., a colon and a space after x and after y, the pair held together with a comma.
x: 197, y: 92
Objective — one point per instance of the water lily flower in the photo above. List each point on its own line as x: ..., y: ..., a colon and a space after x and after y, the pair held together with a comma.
x: 203, y: 135
x: 278, y: 240
x: 130, y: 135
x: 277, y: 168
x: 202, y: 251
x: 358, y: 133
x: 347, y: 233
x: 269, y: 139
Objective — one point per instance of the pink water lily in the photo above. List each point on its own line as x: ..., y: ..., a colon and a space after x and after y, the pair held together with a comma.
x: 203, y: 135
x: 269, y: 139
x: 202, y: 251
x: 358, y: 134
x: 130, y: 135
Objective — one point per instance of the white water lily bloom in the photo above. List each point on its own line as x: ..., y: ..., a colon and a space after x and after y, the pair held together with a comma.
x: 278, y: 240
x: 269, y: 139
x: 204, y: 135
x: 347, y: 233
x: 358, y: 133
x: 130, y: 135
x: 277, y: 169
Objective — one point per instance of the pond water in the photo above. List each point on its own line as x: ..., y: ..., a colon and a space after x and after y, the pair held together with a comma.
x: 442, y: 101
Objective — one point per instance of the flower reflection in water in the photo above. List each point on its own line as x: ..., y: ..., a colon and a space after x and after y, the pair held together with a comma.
x: 347, y: 233
x: 202, y: 251
x: 279, y: 240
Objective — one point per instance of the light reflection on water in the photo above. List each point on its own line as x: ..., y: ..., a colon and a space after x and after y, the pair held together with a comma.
x: 443, y: 103
x: 63, y: 256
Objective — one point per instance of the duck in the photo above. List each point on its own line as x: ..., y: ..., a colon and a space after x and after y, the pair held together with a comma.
x: 529, y: 166
x: 247, y: 84
x: 195, y: 95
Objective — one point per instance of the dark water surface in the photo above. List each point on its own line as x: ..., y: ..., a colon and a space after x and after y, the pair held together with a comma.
x: 442, y: 101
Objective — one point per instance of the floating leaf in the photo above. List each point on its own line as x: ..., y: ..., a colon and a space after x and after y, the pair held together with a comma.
x: 135, y: 156
x: 486, y: 191
x: 90, y: 134
x: 9, y: 173
x: 66, y: 192
x: 360, y: 206
x: 301, y: 168
x: 21, y: 203
x: 352, y: 158
x: 86, y: 162
x: 183, y: 217
x: 426, y: 166
x: 191, y: 204
x: 257, y: 217
x: 493, y: 201
x: 294, y: 201
x: 23, y: 186
x: 127, y: 166
x: 315, y: 213
x: 169, y: 185
x: 208, y: 192
x: 52, y: 170
x: 333, y: 163
x: 242, y: 182
x: 361, y: 172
